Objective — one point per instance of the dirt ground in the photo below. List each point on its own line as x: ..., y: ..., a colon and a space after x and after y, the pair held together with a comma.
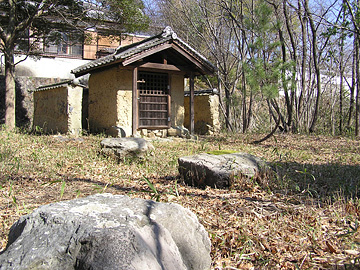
x: 307, y: 217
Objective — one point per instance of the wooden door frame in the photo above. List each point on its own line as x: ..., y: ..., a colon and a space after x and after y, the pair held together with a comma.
x: 137, y: 100
x: 134, y: 101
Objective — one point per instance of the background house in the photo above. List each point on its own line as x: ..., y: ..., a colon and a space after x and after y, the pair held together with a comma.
x: 52, y: 64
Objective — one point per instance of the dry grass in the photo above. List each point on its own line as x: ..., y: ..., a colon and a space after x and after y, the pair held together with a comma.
x: 306, y: 218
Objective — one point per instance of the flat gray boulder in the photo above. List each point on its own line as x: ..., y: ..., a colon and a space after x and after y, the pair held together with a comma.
x: 108, y: 232
x: 220, y: 170
x: 125, y: 147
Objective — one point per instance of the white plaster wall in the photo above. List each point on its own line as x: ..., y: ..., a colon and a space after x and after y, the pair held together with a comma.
x: 45, y: 67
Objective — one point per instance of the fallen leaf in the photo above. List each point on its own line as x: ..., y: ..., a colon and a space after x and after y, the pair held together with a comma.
x: 352, y: 252
x: 331, y: 248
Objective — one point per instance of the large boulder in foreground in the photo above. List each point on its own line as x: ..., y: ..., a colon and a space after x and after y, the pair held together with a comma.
x: 125, y: 147
x: 220, y: 170
x: 110, y: 232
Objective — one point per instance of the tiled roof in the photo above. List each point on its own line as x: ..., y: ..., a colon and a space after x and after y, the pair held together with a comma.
x: 126, y: 52
x: 207, y: 92
x: 65, y: 83
x: 53, y: 86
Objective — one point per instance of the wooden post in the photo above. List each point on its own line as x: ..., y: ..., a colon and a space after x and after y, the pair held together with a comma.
x: 134, y: 101
x: 192, y: 103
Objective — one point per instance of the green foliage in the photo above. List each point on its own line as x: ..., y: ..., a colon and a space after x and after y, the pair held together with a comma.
x: 128, y: 14
x: 175, y: 192
x: 154, y: 193
x: 221, y: 152
x: 264, y: 68
x: 62, y: 189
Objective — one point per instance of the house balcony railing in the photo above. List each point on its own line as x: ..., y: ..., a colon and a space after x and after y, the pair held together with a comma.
x: 79, y: 51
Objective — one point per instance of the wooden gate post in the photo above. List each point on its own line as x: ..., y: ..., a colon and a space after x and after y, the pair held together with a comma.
x: 134, y: 101
x: 192, y: 125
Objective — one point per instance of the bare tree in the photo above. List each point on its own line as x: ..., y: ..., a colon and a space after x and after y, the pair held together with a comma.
x: 299, y: 45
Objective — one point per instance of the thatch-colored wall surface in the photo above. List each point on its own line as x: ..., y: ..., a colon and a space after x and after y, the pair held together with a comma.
x: 206, y: 114
x: 75, y: 96
x: 124, y: 112
x: 50, y: 110
x: 177, y: 100
x: 24, y: 98
x: 58, y: 110
x: 110, y: 93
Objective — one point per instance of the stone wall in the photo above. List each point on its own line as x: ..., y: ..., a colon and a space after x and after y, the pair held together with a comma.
x: 206, y: 113
x: 24, y: 98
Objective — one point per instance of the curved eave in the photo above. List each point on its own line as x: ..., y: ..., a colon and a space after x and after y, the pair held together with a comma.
x: 133, y: 53
x: 96, y: 64
x: 208, y: 67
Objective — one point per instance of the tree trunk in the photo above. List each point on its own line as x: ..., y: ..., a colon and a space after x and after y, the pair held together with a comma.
x: 249, y: 113
x: 293, y: 124
x: 9, y: 90
x: 352, y: 87
x: 299, y: 107
x: 341, y: 67
x: 316, y: 66
x: 245, y: 116
x: 277, y: 122
x: 356, y: 69
x: 357, y: 86
x: 289, y: 107
x: 228, y: 106
x: 341, y: 89
x: 244, y: 113
x: 8, y: 41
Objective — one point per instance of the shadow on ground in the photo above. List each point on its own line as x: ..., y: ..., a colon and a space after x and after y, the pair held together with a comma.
x: 320, y: 181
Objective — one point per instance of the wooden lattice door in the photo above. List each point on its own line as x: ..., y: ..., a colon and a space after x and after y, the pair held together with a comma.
x: 154, y: 100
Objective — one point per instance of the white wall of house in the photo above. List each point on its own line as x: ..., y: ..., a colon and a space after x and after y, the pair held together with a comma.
x: 45, y: 67
x: 329, y: 82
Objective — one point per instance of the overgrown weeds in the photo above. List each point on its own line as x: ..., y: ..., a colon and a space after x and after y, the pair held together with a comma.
x: 306, y: 216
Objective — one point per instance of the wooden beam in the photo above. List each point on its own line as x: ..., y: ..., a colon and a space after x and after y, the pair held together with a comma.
x: 196, y: 62
x: 192, y: 118
x: 164, y: 67
x: 144, y: 54
x: 134, y: 101
x: 169, y: 100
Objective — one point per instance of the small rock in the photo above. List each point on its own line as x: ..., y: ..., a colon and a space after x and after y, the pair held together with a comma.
x: 125, y: 147
x: 144, y: 132
x: 219, y: 170
x: 172, y: 132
